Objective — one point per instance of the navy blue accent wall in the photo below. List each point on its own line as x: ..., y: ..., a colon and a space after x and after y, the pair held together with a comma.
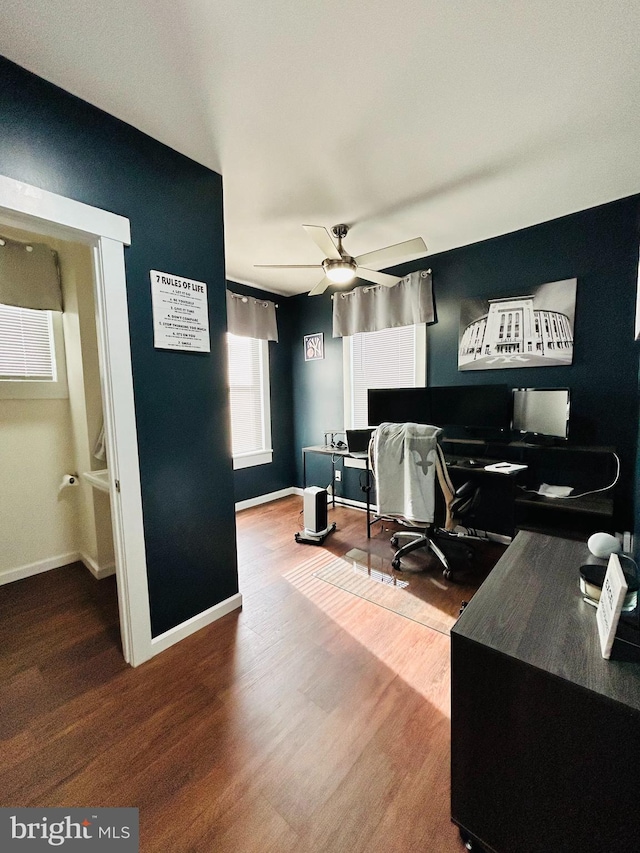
x: 62, y: 144
x: 636, y: 529
x: 280, y: 474
x: 598, y: 246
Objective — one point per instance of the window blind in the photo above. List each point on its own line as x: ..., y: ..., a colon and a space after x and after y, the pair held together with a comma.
x: 245, y: 384
x: 384, y: 359
x: 26, y: 345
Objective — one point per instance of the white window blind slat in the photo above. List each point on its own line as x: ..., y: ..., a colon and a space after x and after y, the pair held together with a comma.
x: 26, y: 345
x: 246, y: 392
x: 384, y: 359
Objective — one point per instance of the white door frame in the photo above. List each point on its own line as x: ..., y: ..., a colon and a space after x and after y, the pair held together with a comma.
x: 53, y: 215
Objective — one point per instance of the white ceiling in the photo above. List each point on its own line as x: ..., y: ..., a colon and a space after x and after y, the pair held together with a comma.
x: 453, y: 121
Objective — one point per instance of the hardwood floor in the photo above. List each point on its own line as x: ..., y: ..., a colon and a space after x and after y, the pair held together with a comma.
x: 312, y: 721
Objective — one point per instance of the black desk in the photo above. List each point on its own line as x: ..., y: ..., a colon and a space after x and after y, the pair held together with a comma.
x: 545, y: 734
x: 583, y: 467
x: 496, y: 510
x: 505, y: 507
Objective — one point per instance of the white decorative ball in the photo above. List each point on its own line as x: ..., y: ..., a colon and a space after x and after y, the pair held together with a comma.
x: 603, y: 544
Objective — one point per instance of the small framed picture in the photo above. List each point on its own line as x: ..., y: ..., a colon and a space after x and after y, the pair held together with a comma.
x: 314, y: 346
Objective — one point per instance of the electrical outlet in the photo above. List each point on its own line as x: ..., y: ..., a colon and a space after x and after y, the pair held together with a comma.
x: 338, y: 476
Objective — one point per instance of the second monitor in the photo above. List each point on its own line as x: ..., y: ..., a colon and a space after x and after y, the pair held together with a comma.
x: 474, y: 408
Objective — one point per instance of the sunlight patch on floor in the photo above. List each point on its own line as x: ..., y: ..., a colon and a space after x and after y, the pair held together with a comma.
x: 416, y: 653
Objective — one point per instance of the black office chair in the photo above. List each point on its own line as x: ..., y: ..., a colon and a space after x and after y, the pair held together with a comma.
x: 458, y: 503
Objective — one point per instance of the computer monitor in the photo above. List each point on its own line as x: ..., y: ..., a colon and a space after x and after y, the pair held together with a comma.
x: 541, y: 411
x: 398, y: 405
x: 482, y: 408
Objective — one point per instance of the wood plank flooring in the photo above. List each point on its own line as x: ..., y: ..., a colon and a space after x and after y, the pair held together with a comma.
x: 311, y: 721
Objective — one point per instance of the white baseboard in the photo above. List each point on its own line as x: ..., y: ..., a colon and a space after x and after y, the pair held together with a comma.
x: 353, y: 504
x: 96, y: 570
x: 264, y: 499
x: 10, y: 575
x: 185, y: 629
x: 296, y: 490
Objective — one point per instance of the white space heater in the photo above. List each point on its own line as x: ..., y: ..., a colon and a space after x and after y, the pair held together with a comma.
x: 316, y: 526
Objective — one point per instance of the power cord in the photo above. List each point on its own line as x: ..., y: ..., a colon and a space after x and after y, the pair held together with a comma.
x: 582, y: 494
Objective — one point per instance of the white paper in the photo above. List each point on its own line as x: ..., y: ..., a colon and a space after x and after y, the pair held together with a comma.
x: 614, y: 590
x: 554, y: 491
x: 504, y: 467
x: 180, y: 313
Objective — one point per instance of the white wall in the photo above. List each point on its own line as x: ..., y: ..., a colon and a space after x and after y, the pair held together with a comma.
x: 39, y: 525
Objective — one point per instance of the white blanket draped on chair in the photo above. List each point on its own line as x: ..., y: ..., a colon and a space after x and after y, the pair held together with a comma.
x: 404, y: 461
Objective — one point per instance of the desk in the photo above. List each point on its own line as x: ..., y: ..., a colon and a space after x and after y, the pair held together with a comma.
x: 335, y: 454
x: 584, y: 467
x: 496, y: 510
x: 545, y: 734
x: 505, y: 507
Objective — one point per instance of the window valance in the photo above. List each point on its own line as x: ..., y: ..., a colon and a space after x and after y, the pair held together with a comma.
x: 29, y: 275
x: 375, y: 307
x: 248, y: 317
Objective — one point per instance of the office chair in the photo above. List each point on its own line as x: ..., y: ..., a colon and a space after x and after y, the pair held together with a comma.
x: 410, y: 458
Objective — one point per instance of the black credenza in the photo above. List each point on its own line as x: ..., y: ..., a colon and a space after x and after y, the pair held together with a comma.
x: 545, y: 734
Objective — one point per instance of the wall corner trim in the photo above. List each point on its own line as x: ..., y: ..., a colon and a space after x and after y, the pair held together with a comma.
x: 97, y: 570
x: 201, y: 620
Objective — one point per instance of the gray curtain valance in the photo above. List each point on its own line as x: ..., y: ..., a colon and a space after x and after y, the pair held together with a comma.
x: 29, y: 275
x: 375, y: 307
x: 251, y: 318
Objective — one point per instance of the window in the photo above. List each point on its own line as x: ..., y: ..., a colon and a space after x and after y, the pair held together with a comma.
x: 391, y: 358
x: 250, y: 408
x: 31, y: 354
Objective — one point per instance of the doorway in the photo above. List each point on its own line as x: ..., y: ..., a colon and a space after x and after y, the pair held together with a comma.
x: 105, y: 234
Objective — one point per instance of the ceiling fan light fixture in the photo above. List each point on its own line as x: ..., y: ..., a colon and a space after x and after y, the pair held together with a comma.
x: 340, y: 272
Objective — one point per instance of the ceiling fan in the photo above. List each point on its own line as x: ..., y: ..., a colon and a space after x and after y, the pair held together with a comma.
x: 340, y: 268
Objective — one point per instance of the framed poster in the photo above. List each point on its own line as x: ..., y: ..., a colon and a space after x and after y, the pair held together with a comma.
x: 314, y: 346
x: 180, y: 313
x: 531, y: 330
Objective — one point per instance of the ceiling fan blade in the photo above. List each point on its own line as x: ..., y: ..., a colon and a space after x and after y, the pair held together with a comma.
x: 320, y: 287
x: 323, y: 241
x: 407, y: 251
x: 289, y: 266
x: 377, y: 277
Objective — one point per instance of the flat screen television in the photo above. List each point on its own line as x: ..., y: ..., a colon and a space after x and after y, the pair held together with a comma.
x: 398, y: 405
x: 541, y: 412
x: 481, y: 408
